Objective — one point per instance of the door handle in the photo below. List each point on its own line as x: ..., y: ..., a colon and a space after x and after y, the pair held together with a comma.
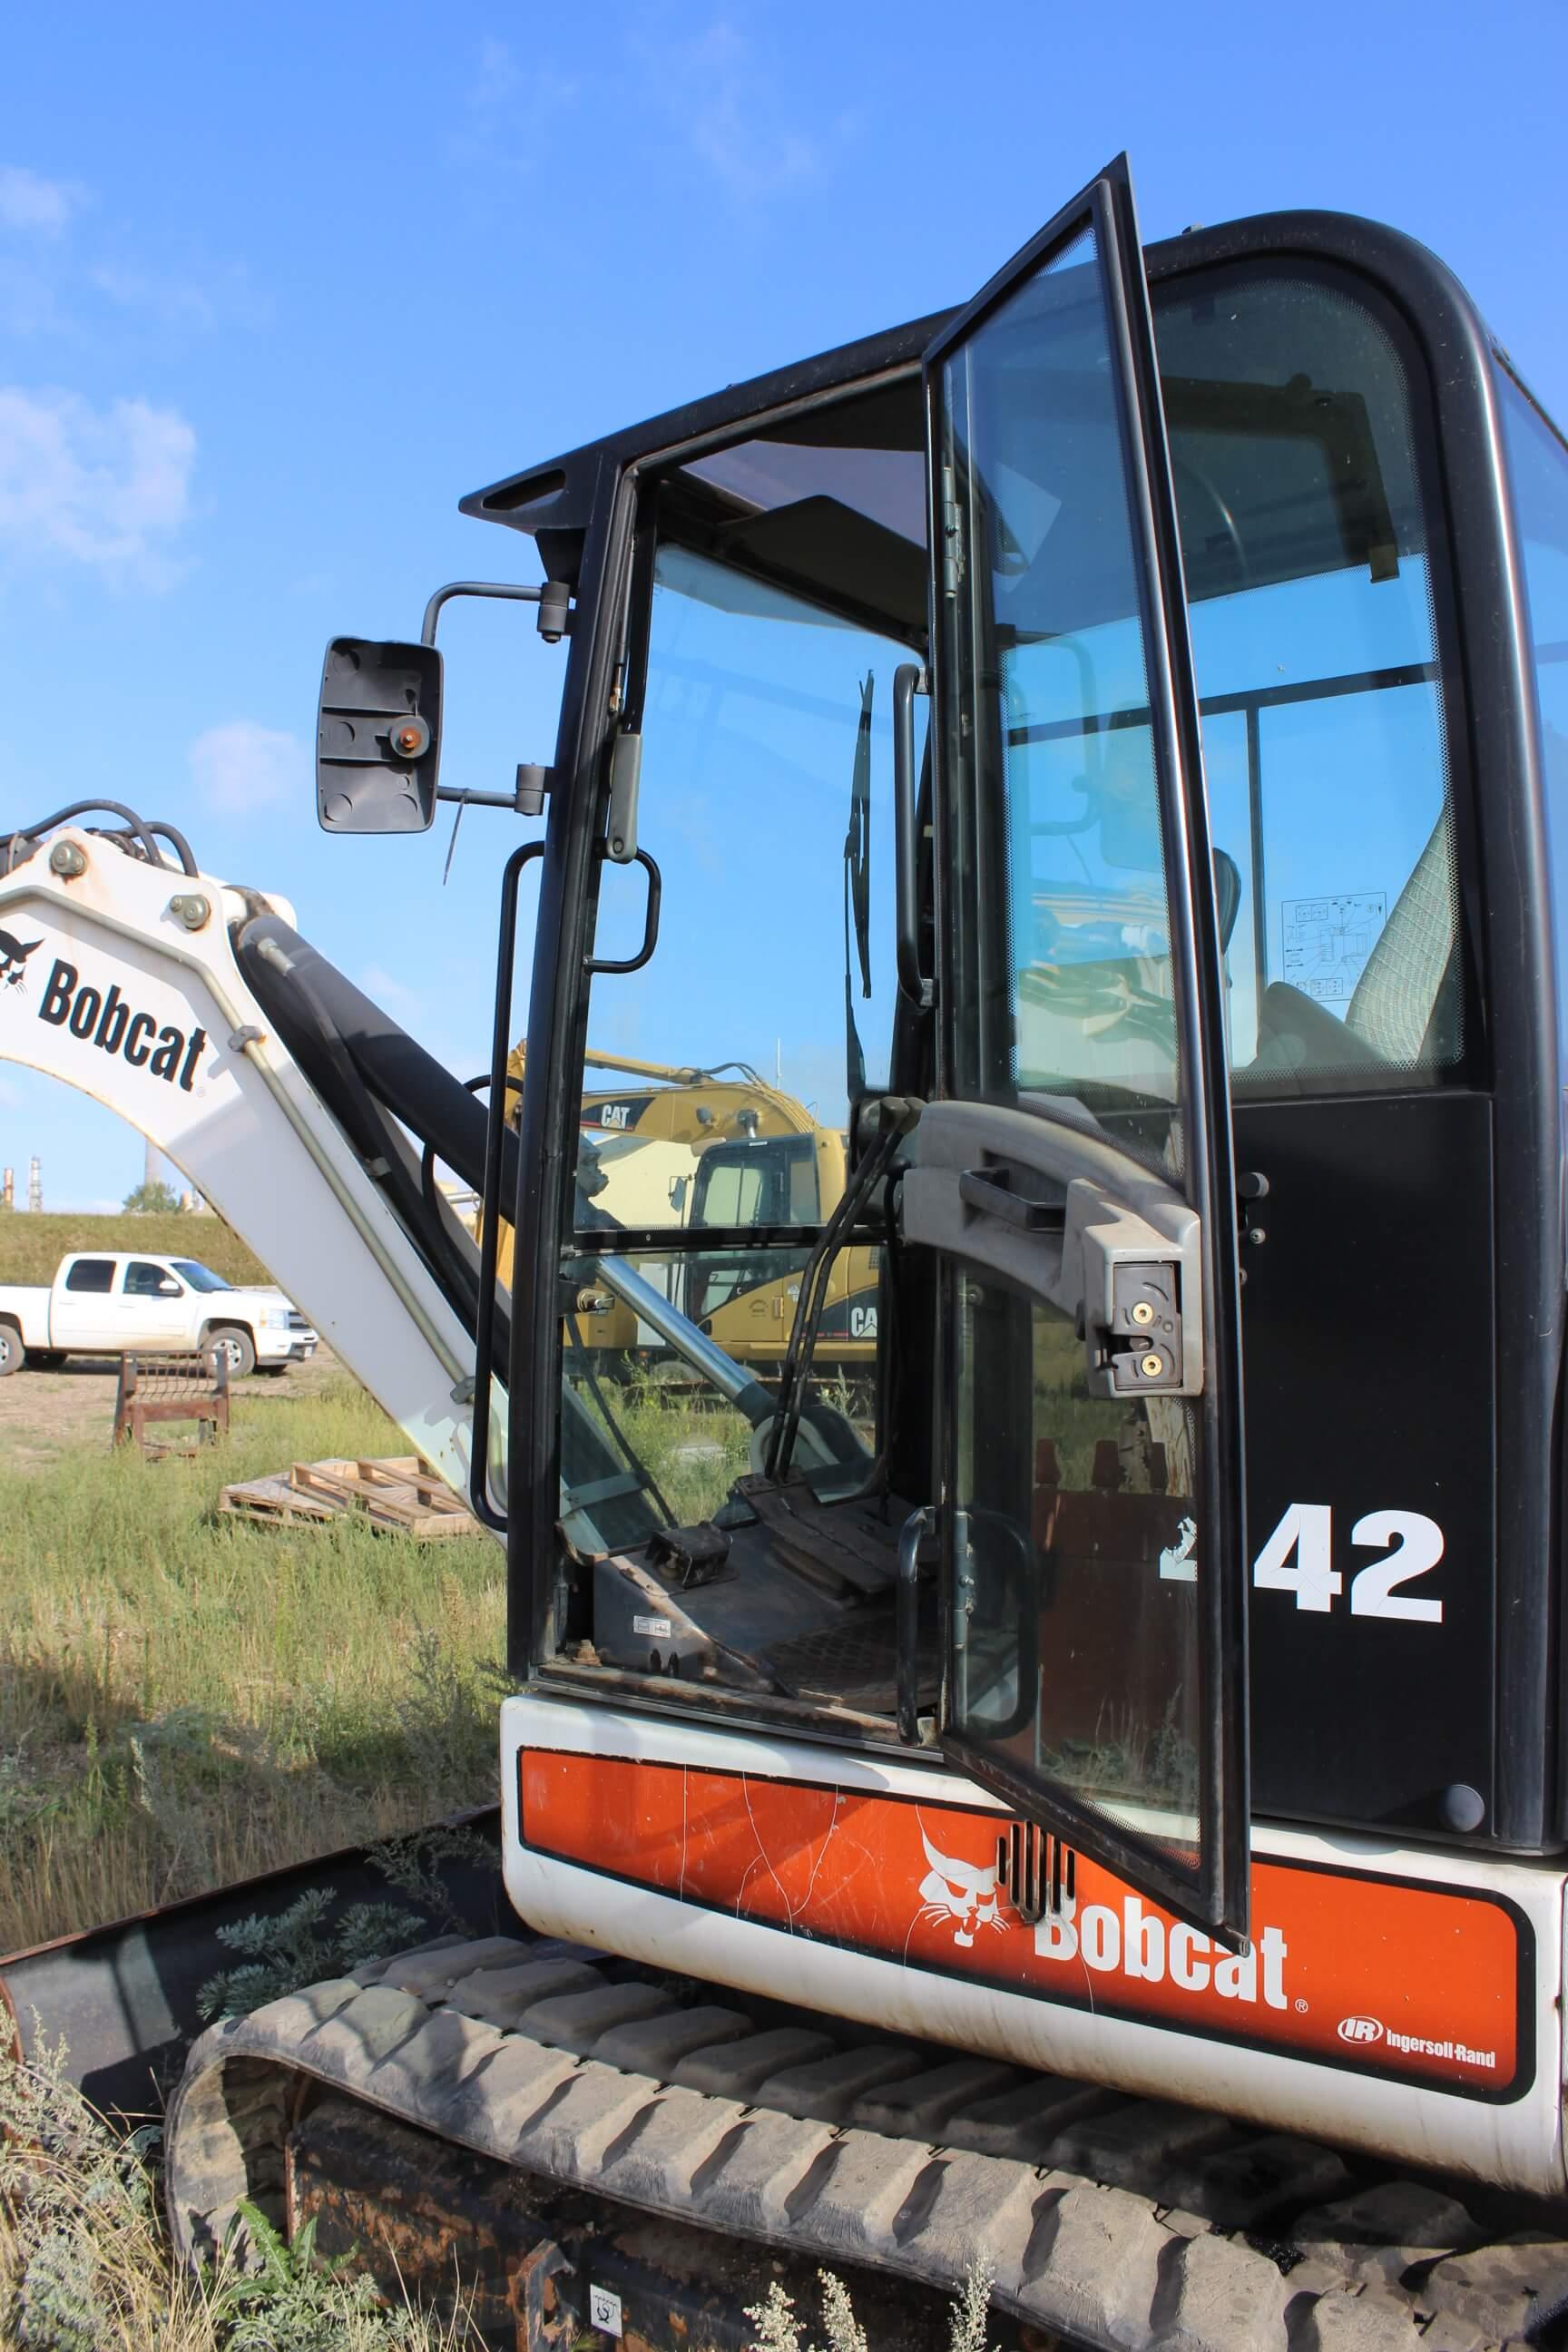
x: 650, y: 921
x: 990, y: 1190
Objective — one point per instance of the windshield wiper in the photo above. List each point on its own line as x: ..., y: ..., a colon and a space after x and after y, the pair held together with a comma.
x: 858, y: 895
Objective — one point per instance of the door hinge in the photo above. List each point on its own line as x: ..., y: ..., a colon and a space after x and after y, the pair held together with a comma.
x: 951, y: 534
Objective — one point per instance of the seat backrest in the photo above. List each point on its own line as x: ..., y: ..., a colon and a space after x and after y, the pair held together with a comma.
x: 1401, y: 990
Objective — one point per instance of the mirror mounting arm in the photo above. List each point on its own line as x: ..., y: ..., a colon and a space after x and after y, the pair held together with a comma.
x: 553, y: 600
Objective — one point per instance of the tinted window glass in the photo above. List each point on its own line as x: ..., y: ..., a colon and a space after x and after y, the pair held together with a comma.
x: 146, y: 1281
x: 1304, y: 537
x: 767, y: 721
x: 1539, y: 464
x: 1061, y: 923
x: 1080, y: 1544
x: 92, y: 1274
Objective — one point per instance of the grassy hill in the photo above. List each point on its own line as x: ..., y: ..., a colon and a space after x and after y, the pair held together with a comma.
x: 32, y: 1246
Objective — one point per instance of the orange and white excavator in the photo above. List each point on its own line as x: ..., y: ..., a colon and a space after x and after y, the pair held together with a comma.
x: 1109, y: 1824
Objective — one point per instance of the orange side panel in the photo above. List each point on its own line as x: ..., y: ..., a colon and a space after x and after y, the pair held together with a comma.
x: 1400, y: 1978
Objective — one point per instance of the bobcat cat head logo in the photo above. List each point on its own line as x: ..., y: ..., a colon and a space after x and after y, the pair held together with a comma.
x: 959, y: 1892
x: 14, y: 957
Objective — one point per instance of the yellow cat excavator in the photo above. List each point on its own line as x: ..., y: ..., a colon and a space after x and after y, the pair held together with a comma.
x: 1109, y: 1823
x: 721, y: 1148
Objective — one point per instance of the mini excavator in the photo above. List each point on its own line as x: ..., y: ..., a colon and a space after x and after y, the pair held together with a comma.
x: 1106, y: 1817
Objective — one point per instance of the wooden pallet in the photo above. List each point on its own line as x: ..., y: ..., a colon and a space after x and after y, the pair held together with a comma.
x: 402, y: 1494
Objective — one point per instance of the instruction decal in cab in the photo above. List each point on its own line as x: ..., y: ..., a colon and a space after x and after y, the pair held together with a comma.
x: 116, y: 1026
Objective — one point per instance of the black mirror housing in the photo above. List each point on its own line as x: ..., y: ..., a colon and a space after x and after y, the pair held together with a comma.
x: 378, y: 737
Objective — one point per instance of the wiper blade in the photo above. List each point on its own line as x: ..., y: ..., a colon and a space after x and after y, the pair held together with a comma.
x: 857, y: 893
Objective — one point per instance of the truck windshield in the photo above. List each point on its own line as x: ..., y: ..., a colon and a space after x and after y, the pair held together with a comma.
x: 200, y: 1278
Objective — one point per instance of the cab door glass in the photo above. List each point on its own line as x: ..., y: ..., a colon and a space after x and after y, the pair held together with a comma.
x: 1538, y: 462
x: 155, y: 1301
x: 1304, y: 530
x: 776, y: 586
x: 1092, y: 1532
x: 1062, y: 927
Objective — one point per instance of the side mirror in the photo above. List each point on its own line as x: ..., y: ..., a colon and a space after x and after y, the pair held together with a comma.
x: 378, y: 737
x: 170, y: 1288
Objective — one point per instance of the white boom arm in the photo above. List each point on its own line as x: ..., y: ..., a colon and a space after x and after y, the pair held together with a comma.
x: 113, y: 978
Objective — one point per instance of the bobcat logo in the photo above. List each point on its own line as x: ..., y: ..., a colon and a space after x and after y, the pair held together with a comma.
x: 959, y: 1892
x: 13, y: 959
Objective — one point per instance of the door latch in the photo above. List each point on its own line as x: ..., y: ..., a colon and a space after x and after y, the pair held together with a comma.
x: 1142, y: 1347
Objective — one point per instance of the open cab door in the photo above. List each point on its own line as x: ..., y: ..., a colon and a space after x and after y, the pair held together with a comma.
x: 1074, y: 1173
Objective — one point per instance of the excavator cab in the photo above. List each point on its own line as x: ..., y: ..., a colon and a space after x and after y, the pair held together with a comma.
x: 1100, y: 741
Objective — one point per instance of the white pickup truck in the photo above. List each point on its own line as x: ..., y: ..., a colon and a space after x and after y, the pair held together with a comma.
x: 105, y: 1302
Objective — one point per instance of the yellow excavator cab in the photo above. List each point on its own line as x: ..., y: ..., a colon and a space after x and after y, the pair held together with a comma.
x: 683, y: 1147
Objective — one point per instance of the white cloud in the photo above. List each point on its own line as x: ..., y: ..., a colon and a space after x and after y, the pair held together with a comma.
x: 386, y: 989
x: 242, y: 767
x: 105, y: 487
x: 510, y: 108
x: 500, y: 78
x: 172, y: 301
x: 732, y: 118
x: 27, y: 201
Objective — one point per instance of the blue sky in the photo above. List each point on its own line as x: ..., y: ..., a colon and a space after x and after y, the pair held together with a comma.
x: 279, y: 285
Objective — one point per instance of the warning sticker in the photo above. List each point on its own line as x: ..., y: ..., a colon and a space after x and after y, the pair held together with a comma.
x: 1327, y: 941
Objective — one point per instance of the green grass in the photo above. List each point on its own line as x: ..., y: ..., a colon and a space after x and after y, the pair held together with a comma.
x: 695, y: 1453
x: 31, y: 1247
x: 186, y: 1698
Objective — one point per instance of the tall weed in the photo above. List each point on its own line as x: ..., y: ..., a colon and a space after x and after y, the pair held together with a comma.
x: 85, y: 2265
x: 187, y: 1698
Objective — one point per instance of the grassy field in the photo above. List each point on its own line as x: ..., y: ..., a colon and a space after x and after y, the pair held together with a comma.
x: 185, y: 1698
x: 32, y: 1246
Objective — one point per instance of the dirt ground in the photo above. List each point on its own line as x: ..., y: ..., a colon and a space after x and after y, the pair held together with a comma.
x: 46, y: 1416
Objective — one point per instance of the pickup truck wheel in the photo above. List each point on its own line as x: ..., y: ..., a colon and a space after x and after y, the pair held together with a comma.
x: 12, y: 1352
x: 238, y: 1346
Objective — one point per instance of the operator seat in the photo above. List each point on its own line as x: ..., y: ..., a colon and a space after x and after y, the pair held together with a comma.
x: 1404, y: 1014
x: 1405, y: 1001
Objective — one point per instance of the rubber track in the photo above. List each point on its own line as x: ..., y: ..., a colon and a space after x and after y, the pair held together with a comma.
x: 1121, y: 2223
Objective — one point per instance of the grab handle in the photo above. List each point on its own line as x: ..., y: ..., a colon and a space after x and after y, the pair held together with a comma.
x: 489, y: 1199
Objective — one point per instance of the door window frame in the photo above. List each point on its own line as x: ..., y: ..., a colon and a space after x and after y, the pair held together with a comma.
x: 1216, y: 1894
